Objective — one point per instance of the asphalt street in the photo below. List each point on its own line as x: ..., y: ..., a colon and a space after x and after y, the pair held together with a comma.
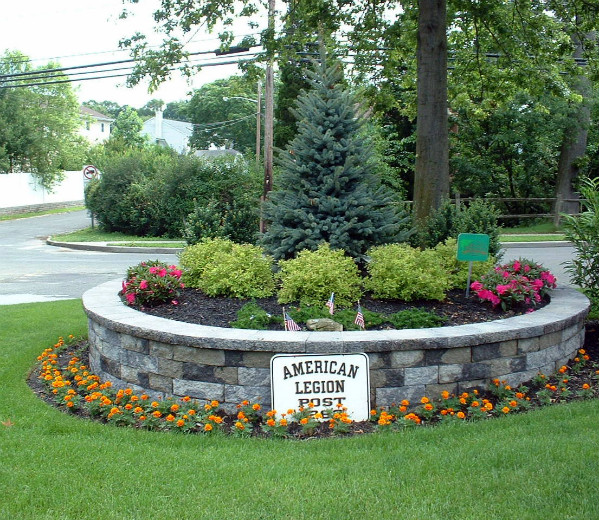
x: 32, y: 271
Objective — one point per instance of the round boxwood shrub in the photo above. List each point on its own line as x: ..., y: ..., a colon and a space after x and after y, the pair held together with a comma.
x: 220, y: 267
x: 312, y: 276
x: 400, y: 271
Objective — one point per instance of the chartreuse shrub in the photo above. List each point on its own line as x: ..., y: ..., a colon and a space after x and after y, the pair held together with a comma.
x: 312, y: 276
x: 220, y: 267
x: 406, y: 273
x: 458, y: 270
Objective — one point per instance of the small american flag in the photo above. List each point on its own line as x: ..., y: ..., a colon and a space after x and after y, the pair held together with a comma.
x: 359, y: 317
x: 331, y: 304
x: 290, y: 324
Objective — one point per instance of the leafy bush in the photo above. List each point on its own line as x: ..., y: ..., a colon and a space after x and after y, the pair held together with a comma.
x: 252, y: 316
x: 449, y: 221
x: 458, y: 270
x: 583, y: 232
x: 312, y: 276
x: 220, y: 267
x: 151, y: 283
x: 415, y: 319
x: 519, y: 282
x: 403, y: 272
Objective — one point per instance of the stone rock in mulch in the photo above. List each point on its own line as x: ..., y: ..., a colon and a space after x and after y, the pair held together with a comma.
x: 324, y: 325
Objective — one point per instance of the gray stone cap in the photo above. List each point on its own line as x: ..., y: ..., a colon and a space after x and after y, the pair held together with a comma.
x: 103, y: 305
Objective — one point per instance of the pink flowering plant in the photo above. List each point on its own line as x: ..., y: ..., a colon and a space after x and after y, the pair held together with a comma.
x: 520, y: 282
x: 151, y: 283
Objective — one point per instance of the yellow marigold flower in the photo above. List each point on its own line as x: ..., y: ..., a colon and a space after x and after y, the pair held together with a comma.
x: 115, y: 410
x: 461, y: 415
x: 424, y: 400
x: 586, y: 386
x: 505, y: 409
x: 239, y: 425
x: 208, y: 427
x: 488, y: 406
x: 318, y: 415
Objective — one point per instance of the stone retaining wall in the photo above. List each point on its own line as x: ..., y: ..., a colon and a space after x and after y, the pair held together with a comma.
x: 165, y: 357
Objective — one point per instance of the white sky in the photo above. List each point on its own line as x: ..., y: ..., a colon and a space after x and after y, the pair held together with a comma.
x: 79, y: 32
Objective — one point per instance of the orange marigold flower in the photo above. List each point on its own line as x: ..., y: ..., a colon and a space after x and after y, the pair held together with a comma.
x: 138, y: 409
x: 424, y: 400
x: 180, y: 423
x: 582, y: 351
x: 405, y: 402
x: 373, y: 412
x: 445, y: 394
x: 157, y: 413
x: 513, y: 404
x: 461, y: 415
x: 142, y: 417
x: 239, y: 425
x: 444, y: 412
x: 256, y: 407
x: 318, y: 415
x: 505, y: 409
x: 462, y: 400
x: 428, y: 406
x: 128, y: 391
x: 155, y: 404
x: 310, y: 404
x: 586, y: 386
x: 304, y: 420
x: 283, y: 422
x: 475, y: 404
x: 519, y: 395
x: 563, y: 369
x: 175, y: 408
x: 191, y: 412
x: 144, y: 397
x: 403, y: 409
x: 586, y: 357
x: 208, y: 427
x: 214, y: 404
x: 170, y: 417
x: 70, y: 404
x: 271, y: 422
x: 245, y: 403
x: 128, y: 406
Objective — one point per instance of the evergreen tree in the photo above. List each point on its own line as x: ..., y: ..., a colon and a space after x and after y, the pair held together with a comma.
x: 327, y: 189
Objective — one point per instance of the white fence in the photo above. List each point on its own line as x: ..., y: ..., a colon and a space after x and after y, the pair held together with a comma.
x: 21, y: 192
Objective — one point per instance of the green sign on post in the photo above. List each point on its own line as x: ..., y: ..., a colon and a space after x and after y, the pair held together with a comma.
x: 472, y: 247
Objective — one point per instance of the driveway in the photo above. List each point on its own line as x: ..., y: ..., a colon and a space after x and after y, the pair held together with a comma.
x: 32, y: 271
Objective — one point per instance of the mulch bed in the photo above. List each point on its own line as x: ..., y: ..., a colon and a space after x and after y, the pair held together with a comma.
x: 195, y: 307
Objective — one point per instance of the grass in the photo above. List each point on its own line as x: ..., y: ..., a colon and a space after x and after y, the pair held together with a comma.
x: 539, y: 465
x: 97, y: 235
x: 532, y: 238
x: 15, y: 216
x: 541, y: 228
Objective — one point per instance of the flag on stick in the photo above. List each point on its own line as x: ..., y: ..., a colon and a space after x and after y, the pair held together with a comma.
x: 331, y: 304
x: 359, y: 321
x: 289, y: 323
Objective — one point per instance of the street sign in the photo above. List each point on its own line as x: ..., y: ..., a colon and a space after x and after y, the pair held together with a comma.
x: 473, y: 247
x: 90, y: 172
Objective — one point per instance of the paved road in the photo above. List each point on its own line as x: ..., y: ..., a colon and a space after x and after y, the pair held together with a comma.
x: 32, y: 271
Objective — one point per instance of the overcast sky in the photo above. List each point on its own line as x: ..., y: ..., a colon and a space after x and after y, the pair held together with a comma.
x: 79, y: 32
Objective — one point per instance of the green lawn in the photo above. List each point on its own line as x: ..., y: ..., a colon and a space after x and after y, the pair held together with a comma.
x: 96, y: 235
x: 532, y: 238
x: 15, y: 216
x: 539, y: 465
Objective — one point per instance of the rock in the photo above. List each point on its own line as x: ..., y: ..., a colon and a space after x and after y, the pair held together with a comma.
x: 324, y: 324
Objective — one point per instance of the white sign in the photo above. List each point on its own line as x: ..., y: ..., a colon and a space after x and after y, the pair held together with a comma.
x: 325, y: 380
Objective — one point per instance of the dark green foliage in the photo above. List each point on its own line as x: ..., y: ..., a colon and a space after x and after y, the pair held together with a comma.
x: 415, y: 319
x: 327, y: 191
x: 449, y: 221
x: 252, y: 316
x: 152, y: 192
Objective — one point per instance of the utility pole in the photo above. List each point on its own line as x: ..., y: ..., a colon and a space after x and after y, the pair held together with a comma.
x: 269, y: 111
x: 258, y: 117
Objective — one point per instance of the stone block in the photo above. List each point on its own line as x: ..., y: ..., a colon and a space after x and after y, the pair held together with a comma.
x: 570, y: 331
x: 421, y: 375
x: 469, y: 386
x: 170, y: 368
x: 407, y: 358
x: 109, y: 366
x: 200, y: 356
x: 449, y: 356
x: 495, y: 350
x: 210, y: 374
x: 480, y: 370
x: 449, y: 373
x: 394, y: 395
x: 393, y: 377
x: 534, y: 360
x: 254, y: 376
x: 254, y: 394
x: 199, y: 389
x: 526, y: 345
x: 548, y: 340
x: 433, y: 391
x: 131, y: 375
x: 141, y: 361
x: 140, y: 345
x: 256, y: 359
x: 160, y: 383
x: 161, y: 350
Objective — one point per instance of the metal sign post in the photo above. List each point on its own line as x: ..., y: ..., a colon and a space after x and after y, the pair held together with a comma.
x: 472, y: 247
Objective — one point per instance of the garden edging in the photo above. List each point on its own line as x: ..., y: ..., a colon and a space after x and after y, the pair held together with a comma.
x: 165, y: 357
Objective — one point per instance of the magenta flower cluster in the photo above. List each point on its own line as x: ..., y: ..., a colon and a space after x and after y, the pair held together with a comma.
x: 151, y: 283
x: 520, y: 282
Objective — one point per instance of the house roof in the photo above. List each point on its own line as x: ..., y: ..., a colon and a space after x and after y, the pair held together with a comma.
x: 86, y: 111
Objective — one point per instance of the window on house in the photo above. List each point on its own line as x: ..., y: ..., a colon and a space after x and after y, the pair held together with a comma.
x: 87, y: 125
x: 101, y: 127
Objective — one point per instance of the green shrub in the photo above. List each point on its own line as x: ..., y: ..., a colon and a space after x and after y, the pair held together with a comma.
x: 458, y: 270
x: 197, y: 258
x: 402, y: 272
x: 312, y: 276
x: 415, y: 319
x: 583, y: 232
x: 448, y: 221
x: 220, y: 267
x: 252, y: 316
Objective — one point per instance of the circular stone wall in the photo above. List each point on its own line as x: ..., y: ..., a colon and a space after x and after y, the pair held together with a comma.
x: 165, y: 357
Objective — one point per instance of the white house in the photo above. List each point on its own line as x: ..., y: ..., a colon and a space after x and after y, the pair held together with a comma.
x: 96, y: 126
x: 168, y: 132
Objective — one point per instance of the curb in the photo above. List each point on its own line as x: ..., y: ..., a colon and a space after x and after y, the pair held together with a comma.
x: 103, y: 247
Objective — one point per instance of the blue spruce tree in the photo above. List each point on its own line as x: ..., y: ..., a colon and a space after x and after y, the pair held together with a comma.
x: 327, y: 191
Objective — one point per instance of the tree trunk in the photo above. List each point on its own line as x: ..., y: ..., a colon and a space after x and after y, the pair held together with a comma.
x: 431, y: 176
x: 574, y: 144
